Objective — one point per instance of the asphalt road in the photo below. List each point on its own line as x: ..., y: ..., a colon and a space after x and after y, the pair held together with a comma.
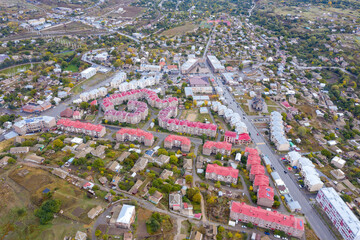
x: 321, y: 230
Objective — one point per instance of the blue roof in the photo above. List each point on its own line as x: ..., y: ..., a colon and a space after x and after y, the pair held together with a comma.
x: 46, y: 190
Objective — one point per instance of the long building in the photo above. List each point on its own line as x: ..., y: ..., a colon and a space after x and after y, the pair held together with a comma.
x: 138, y: 112
x: 219, y: 173
x: 129, y: 134
x: 211, y: 147
x: 181, y: 142
x: 339, y: 213
x: 35, y: 124
x: 215, y: 64
x: 81, y: 127
x: 273, y: 220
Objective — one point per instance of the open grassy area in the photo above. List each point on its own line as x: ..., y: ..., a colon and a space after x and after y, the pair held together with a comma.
x: 89, y: 82
x: 178, y: 31
x: 194, y: 115
x: 72, y: 68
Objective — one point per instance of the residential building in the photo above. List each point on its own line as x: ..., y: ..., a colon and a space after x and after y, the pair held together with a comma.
x: 293, y: 158
x: 277, y: 131
x: 135, y: 188
x: 273, y: 220
x: 93, y: 94
x: 252, y: 159
x: 156, y: 197
x: 237, y: 139
x: 130, y: 134
x: 137, y: 112
x: 215, y: 64
x: 260, y: 181
x: 119, y: 78
x: 140, y: 165
x: 313, y: 183
x: 94, y: 212
x: 126, y: 216
x: 81, y: 127
x: 123, y: 156
x: 256, y: 169
x: 338, y: 162
x: 199, y: 81
x: 219, y: 173
x: 150, y: 68
x: 343, y: 219
x: 181, y: 142
x: 67, y: 113
x: 337, y: 174
x: 166, y: 174
x: 38, y: 107
x: 80, y: 235
x: 265, y: 196
x: 36, y: 124
x: 211, y: 147
x: 161, y: 160
x: 114, y: 166
x: 198, y: 236
x: 115, y: 181
x: 175, y: 201
x: 88, y: 73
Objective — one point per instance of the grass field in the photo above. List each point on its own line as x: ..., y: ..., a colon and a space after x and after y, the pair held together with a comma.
x: 89, y: 82
x: 72, y: 68
x: 194, y: 115
x: 177, y: 31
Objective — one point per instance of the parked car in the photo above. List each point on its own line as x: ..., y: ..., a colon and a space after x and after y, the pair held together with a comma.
x: 267, y: 233
x: 277, y: 236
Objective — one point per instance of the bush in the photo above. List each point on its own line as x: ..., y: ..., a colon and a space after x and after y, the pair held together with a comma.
x: 46, y: 211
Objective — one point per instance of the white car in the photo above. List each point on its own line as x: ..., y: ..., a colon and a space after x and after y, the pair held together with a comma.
x: 277, y: 236
x: 108, y: 216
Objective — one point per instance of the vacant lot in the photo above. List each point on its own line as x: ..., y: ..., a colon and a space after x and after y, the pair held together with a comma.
x: 194, y: 115
x: 177, y: 31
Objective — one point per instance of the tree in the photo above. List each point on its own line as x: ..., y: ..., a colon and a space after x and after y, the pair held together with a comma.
x: 302, y: 131
x: 250, y: 225
x: 218, y: 156
x: 173, y: 159
x: 58, y: 143
x: 217, y: 184
x: 197, y: 198
x: 152, y: 190
x: 97, y: 233
x: 326, y: 153
x: 47, y: 209
x: 276, y: 204
x: 346, y: 198
x: 163, y: 151
x: 189, y: 179
x: 84, y: 105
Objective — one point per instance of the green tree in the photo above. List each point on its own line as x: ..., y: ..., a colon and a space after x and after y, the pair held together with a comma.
x: 58, y: 143
x: 188, y: 179
x: 173, y: 159
x: 197, y: 198
x: 98, y: 233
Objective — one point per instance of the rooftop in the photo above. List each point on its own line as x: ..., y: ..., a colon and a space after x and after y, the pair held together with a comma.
x: 218, y: 145
x: 223, y: 171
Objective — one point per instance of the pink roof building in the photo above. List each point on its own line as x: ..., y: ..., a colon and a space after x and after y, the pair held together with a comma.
x: 260, y: 180
x: 81, y: 127
x: 252, y: 160
x: 251, y: 151
x: 217, y: 147
x: 265, y: 196
x: 267, y: 219
x: 234, y: 138
x: 219, y: 173
x: 256, y: 169
x: 130, y: 134
x: 177, y: 141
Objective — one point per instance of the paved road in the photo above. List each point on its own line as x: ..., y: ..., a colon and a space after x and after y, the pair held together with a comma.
x: 321, y: 230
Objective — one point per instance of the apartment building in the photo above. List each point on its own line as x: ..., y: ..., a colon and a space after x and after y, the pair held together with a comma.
x: 211, y: 147
x: 183, y: 143
x: 130, y: 134
x: 273, y: 220
x: 219, y: 173
x: 81, y: 127
x: 237, y: 139
x: 137, y: 112
x: 343, y: 219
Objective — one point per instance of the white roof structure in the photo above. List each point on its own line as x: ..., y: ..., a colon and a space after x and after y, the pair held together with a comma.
x: 215, y: 62
x: 339, y: 161
x: 303, y: 161
x: 125, y: 214
x: 189, y: 64
x: 313, y: 180
x: 34, y: 120
x: 348, y: 217
x: 293, y: 157
x: 307, y: 171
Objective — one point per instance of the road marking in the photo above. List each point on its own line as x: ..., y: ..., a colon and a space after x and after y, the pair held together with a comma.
x: 262, y: 143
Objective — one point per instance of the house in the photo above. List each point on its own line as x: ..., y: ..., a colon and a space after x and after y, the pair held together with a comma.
x: 19, y: 150
x: 181, y: 142
x: 188, y: 164
x: 95, y: 212
x: 338, y: 162
x: 313, y: 183
x: 265, y: 196
x: 123, y: 156
x: 198, y: 236
x: 135, y: 188
x: 115, y: 180
x: 211, y: 147
x: 252, y: 159
x: 114, y: 166
x: 256, y: 169
x: 103, y: 180
x: 99, y: 151
x: 219, y: 173
x: 156, y: 197
x: 140, y: 165
x: 67, y: 113
x: 175, y: 201
x: 235, y: 138
x: 242, y: 212
x: 80, y: 235
x: 88, y: 73
x: 126, y: 216
x: 162, y: 159
x: 166, y: 174
x: 4, y: 161
x: 337, y: 174
x: 293, y: 158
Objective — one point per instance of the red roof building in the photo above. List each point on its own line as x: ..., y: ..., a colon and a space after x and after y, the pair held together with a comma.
x: 177, y: 141
x: 234, y: 138
x: 256, y: 169
x: 81, y: 127
x: 251, y: 151
x: 219, y: 173
x: 217, y: 147
x: 67, y: 113
x: 130, y: 134
x: 267, y: 219
x: 252, y: 160
x: 260, y: 180
x: 265, y: 196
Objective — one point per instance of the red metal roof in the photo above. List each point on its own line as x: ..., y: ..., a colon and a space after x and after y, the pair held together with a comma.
x: 137, y: 132
x: 257, y: 169
x: 251, y: 150
x: 269, y: 216
x: 183, y: 140
x: 261, y: 180
x: 223, y: 171
x: 81, y: 125
x: 230, y: 134
x: 244, y: 137
x: 265, y: 192
x: 218, y: 145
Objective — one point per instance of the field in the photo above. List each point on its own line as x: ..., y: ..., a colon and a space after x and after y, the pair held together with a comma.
x: 194, y: 115
x: 178, y: 31
x: 17, y: 69
x: 73, y: 26
x: 99, y: 77
x: 23, y: 190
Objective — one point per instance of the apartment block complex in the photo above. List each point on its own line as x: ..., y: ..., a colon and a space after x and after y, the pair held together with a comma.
x: 130, y: 134
x: 35, y: 124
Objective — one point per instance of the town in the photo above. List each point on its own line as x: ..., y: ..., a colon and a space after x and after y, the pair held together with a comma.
x: 179, y: 120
